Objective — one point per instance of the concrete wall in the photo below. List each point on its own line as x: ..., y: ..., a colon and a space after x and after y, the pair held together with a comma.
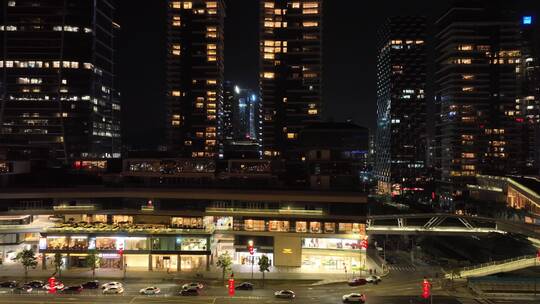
x: 287, y: 251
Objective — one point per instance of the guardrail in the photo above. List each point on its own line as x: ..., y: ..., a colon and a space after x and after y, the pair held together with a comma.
x: 523, y: 257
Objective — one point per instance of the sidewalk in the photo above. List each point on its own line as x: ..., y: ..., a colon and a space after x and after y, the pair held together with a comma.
x: 17, y: 271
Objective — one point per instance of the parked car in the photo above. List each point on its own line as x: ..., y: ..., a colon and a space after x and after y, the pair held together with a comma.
x: 193, y: 285
x: 113, y: 290
x: 58, y: 285
x: 111, y: 285
x: 354, y: 298
x: 189, y: 292
x: 73, y: 289
x: 244, y: 286
x: 35, y: 284
x: 8, y: 284
x: 91, y: 285
x: 152, y: 290
x: 357, y: 282
x: 22, y: 289
x: 373, y: 279
x: 285, y: 294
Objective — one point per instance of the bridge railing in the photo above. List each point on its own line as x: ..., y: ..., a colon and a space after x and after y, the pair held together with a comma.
x: 499, y: 262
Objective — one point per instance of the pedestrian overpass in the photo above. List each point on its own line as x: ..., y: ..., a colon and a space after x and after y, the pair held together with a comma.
x: 495, y: 267
x: 444, y: 224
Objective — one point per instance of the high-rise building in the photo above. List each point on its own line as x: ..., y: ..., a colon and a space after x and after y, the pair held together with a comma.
x: 529, y: 99
x: 58, y: 85
x: 291, y: 73
x: 195, y: 77
x: 242, y: 128
x: 401, y: 103
x: 478, y: 129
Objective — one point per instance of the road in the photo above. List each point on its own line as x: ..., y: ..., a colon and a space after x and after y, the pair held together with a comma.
x: 398, y: 288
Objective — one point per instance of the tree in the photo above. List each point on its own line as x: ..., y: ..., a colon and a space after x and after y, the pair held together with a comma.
x: 224, y: 262
x: 58, y: 263
x: 264, y: 265
x: 28, y: 259
x: 92, y: 259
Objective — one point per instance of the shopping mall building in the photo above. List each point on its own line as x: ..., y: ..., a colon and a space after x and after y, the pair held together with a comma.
x: 186, y: 229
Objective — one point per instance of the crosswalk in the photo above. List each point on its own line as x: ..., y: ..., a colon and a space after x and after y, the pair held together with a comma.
x: 474, y: 301
x: 402, y: 268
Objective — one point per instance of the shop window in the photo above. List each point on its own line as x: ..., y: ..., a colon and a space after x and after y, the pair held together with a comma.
x: 187, y: 222
x: 329, y: 227
x: 254, y: 225
x: 122, y: 219
x: 223, y: 222
x: 351, y: 228
x: 193, y: 244
x: 78, y: 243
x: 281, y: 226
x: 301, y: 227
x: 104, y: 243
x: 315, y: 227
x: 135, y: 243
x: 56, y: 242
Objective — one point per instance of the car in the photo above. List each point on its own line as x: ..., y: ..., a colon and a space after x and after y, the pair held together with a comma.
x: 189, y: 292
x: 112, y: 284
x: 8, y: 284
x: 113, y: 290
x: 73, y: 289
x: 354, y: 298
x: 357, y: 282
x: 35, y: 284
x: 58, y: 285
x: 193, y: 285
x: 22, y: 289
x: 152, y: 290
x: 244, y: 286
x: 91, y: 285
x: 373, y: 279
x: 285, y: 294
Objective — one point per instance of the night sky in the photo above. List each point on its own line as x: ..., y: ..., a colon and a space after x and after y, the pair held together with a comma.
x: 349, y: 62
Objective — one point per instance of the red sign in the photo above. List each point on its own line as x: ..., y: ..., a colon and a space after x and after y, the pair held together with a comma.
x: 426, y: 289
x: 364, y: 243
x: 250, y: 248
x: 231, y: 286
x: 121, y: 252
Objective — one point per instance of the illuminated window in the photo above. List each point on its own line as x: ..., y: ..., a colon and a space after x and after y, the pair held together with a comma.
x: 292, y: 135
x: 468, y: 155
x: 269, y: 75
x: 176, y: 4
x: 269, y: 4
x: 211, y: 4
x: 467, y: 89
x: 188, y: 5
x: 310, y: 11
x: 310, y: 23
x: 467, y: 76
x: 313, y: 111
x: 176, y: 49
x: 296, y: 5
x: 175, y: 93
x: 176, y: 21
x: 211, y: 81
x: 463, y: 61
x: 465, y: 47
x: 311, y: 5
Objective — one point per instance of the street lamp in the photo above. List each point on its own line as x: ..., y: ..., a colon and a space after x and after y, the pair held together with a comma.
x: 251, y: 253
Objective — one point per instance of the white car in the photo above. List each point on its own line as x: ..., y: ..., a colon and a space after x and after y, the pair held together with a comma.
x: 373, y: 279
x: 192, y: 285
x: 152, y: 290
x: 354, y: 298
x: 57, y: 285
x: 111, y: 284
x: 285, y: 294
x: 113, y: 290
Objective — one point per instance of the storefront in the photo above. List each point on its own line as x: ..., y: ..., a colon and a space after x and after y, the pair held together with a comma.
x: 335, y: 261
x: 164, y: 262
x: 110, y: 260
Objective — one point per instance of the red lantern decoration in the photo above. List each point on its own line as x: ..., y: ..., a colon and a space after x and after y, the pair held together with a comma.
x: 231, y: 286
x: 426, y: 289
x: 364, y: 243
x: 52, y: 285
x: 250, y: 248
